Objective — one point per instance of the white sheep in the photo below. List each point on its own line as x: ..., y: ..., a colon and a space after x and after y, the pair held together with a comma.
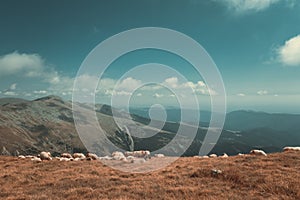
x: 79, y: 155
x: 138, y: 154
x: 130, y: 158
x: 291, y: 149
x: 213, y: 155
x: 64, y: 159
x: 92, y: 156
x: 21, y: 157
x: 224, y: 156
x: 128, y: 153
x: 45, y: 155
x: 258, y: 152
x: 36, y: 159
x: 117, y: 155
x: 240, y: 154
x: 57, y: 158
x: 66, y: 155
x: 159, y: 155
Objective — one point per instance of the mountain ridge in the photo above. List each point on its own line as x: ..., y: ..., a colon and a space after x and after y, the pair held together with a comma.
x: 47, y: 124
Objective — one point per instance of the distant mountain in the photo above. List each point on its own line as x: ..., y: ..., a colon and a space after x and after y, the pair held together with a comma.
x: 237, y: 120
x: 47, y: 124
x: 174, y: 114
x: 247, y: 120
x: 244, y: 130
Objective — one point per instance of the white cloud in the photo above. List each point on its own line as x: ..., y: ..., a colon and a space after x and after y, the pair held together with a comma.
x: 28, y: 64
x: 262, y: 92
x: 40, y: 92
x: 241, y: 6
x: 129, y: 84
x: 171, y: 82
x: 122, y: 93
x: 289, y: 53
x: 13, y: 86
x: 241, y: 95
x: 200, y: 87
x: 139, y: 94
x: 156, y: 95
x: 10, y: 93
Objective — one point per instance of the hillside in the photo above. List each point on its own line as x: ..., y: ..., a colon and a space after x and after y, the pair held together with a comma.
x: 243, y: 177
x: 46, y: 123
x: 28, y: 127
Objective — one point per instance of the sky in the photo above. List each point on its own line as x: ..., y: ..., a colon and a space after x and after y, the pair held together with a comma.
x: 255, y: 45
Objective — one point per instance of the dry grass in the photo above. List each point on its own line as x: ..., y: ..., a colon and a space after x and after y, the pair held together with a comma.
x: 274, y: 177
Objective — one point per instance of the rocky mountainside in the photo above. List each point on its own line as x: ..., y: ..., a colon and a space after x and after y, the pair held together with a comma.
x: 28, y: 127
x: 32, y: 126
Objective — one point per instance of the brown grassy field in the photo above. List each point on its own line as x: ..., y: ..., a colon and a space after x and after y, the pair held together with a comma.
x: 245, y: 177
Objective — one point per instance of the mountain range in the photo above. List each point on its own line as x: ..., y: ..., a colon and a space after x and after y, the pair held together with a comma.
x: 28, y: 127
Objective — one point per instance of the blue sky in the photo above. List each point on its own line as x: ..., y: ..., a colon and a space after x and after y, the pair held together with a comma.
x: 255, y: 44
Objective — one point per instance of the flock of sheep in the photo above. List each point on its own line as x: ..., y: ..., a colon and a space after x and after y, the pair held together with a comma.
x: 128, y: 156
x: 252, y: 152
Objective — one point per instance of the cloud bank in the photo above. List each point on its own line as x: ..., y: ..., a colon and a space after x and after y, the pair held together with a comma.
x: 289, y: 53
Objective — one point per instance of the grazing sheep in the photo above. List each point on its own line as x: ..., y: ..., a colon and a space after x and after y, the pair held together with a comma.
x: 291, y: 149
x: 79, y: 155
x: 91, y: 156
x: 240, y: 154
x: 124, y: 159
x: 138, y: 154
x: 159, y: 155
x: 258, y: 152
x: 213, y: 156
x: 117, y: 155
x: 45, y: 155
x: 224, y: 156
x: 130, y: 158
x: 204, y: 157
x: 66, y: 155
x: 36, y: 159
x: 64, y: 159
x: 21, y: 157
x: 57, y: 158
